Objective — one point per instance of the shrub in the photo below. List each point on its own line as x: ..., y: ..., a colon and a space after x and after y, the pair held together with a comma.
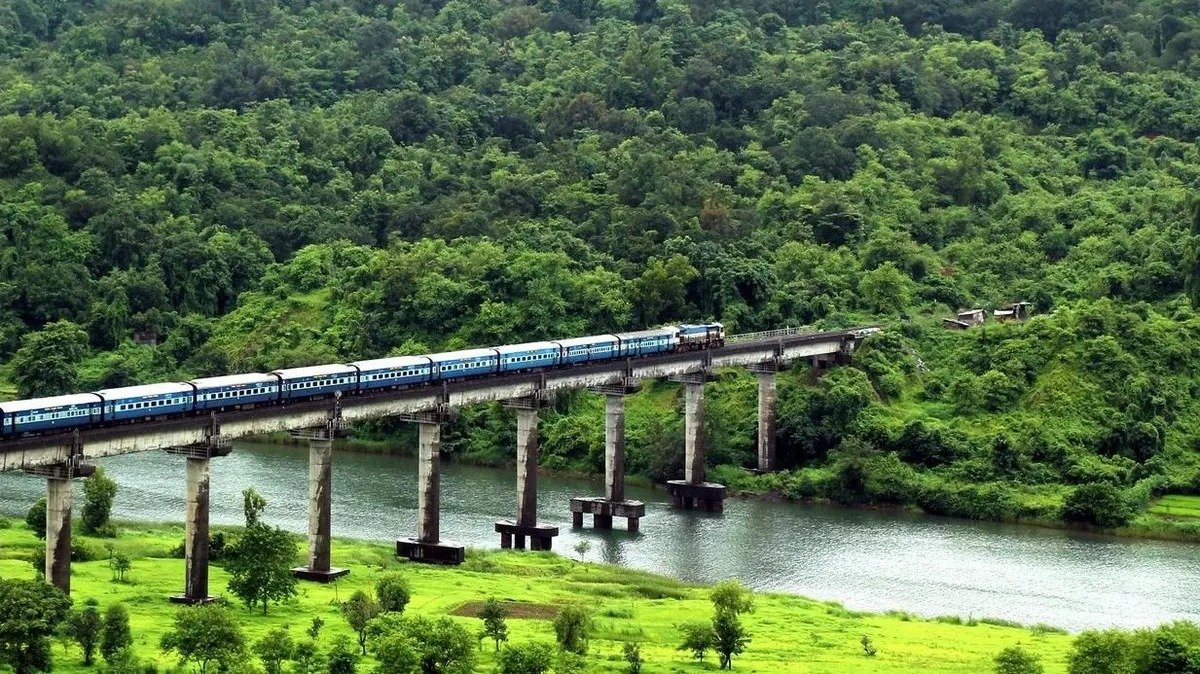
x: 1015, y: 660
x: 393, y: 592
x: 572, y: 628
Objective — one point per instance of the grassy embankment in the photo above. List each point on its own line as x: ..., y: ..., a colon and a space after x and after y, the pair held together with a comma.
x: 790, y: 634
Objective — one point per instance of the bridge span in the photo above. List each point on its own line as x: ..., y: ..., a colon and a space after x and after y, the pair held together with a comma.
x: 61, y: 457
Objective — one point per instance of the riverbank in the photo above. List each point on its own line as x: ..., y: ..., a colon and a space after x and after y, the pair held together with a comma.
x: 1173, y: 517
x: 788, y: 633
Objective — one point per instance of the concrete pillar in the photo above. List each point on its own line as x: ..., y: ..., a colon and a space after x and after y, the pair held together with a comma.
x: 196, y: 532
x: 58, y: 533
x: 320, y: 509
x: 429, y: 471
x: 766, y: 421
x: 614, y: 447
x: 693, y: 466
x: 527, y: 465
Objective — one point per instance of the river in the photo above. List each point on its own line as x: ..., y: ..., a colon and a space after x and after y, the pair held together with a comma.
x: 867, y: 560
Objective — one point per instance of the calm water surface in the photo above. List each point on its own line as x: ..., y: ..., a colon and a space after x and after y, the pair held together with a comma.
x: 867, y: 560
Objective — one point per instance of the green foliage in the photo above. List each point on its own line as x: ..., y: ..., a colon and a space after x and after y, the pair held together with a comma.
x: 1097, y: 503
x: 729, y: 637
x: 572, y: 628
x: 341, y: 659
x: 84, y: 626
x: 205, y: 635
x: 1016, y: 660
x: 442, y: 646
x: 528, y: 658
x: 360, y: 609
x: 260, y: 566
x: 730, y: 596
x: 99, y: 490
x: 274, y: 648
x: 116, y: 635
x: 698, y: 638
x: 393, y: 592
x: 30, y: 613
x: 633, y: 657
x: 46, y: 363
x: 493, y: 614
x: 35, y: 518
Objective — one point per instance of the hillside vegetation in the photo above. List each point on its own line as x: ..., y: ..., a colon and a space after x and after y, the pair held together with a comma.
x: 259, y: 183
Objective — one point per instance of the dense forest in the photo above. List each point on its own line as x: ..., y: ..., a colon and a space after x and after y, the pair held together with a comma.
x: 195, y: 187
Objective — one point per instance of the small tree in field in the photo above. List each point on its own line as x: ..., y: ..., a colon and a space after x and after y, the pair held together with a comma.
x: 30, y: 613
x: 359, y: 610
x: 582, y: 548
x: 342, y: 659
x: 393, y: 593
x: 1016, y: 660
x: 633, y: 658
x: 120, y: 564
x: 84, y: 627
x: 494, y: 626
x: 274, y: 648
x: 573, y: 627
x: 115, y: 636
x: 36, y: 517
x: 730, y: 599
x: 99, y: 491
x: 260, y: 561
x: 530, y: 658
x: 697, y: 638
x: 204, y: 635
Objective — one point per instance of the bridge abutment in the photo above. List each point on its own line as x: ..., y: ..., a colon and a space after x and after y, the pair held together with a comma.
x: 613, y: 504
x: 196, y: 529
x: 428, y: 546
x: 694, y: 491
x: 513, y: 533
x: 320, y: 501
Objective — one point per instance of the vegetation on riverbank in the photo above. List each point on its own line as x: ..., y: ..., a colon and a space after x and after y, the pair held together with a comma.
x: 788, y: 634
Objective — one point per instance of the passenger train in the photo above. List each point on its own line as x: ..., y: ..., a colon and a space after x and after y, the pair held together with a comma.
x: 243, y: 391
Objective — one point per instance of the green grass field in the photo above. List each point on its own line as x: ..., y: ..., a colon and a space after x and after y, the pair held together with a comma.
x: 789, y: 633
x: 1177, y: 506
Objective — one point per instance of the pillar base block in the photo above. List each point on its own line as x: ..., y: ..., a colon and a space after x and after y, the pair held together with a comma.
x: 603, y: 511
x: 191, y: 601
x: 442, y: 552
x: 514, y: 535
x: 326, y: 576
x: 707, y: 496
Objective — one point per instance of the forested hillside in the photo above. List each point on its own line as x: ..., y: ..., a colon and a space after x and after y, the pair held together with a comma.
x: 259, y: 183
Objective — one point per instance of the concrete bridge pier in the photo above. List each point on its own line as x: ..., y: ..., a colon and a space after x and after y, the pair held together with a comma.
x: 320, y: 500
x: 513, y: 533
x: 59, y: 502
x: 693, y: 491
x: 767, y: 373
x: 613, y: 504
x: 428, y: 546
x: 195, y: 545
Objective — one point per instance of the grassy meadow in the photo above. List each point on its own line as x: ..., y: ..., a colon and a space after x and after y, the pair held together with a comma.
x: 789, y: 633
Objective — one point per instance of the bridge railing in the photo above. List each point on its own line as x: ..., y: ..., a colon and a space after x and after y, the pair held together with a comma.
x: 768, y: 335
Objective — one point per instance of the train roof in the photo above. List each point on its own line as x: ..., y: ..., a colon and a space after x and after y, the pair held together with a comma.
x: 144, y: 390
x: 459, y: 355
x: 52, y: 401
x: 233, y: 380
x: 390, y: 363
x: 314, y: 371
x: 581, y: 341
x: 527, y: 346
x: 648, y: 333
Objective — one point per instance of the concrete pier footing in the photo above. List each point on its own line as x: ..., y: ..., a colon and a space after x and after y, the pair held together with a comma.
x: 693, y: 491
x: 513, y: 533
x: 428, y: 546
x: 613, y: 504
x: 320, y: 506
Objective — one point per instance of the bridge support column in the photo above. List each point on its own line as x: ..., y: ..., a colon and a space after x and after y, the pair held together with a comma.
x: 767, y: 373
x: 693, y: 491
x: 320, y: 500
x: 613, y: 503
x: 195, y: 542
x: 514, y: 532
x: 428, y: 546
x: 59, y: 502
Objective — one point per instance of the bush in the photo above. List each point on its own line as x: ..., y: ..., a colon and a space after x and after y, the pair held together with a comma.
x: 1098, y: 503
x: 98, y: 493
x: 572, y: 628
x: 1015, y: 660
x: 36, y: 518
x: 393, y: 592
x: 530, y: 658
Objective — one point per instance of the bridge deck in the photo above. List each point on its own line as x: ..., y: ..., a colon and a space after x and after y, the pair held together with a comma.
x: 22, y: 453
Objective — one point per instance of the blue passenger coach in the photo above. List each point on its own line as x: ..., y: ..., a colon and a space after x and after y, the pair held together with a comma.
x: 392, y: 372
x: 148, y: 400
x: 646, y: 342
x: 40, y: 414
x: 588, y: 349
x: 516, y: 357
x: 317, y: 380
x: 467, y: 363
x: 235, y: 390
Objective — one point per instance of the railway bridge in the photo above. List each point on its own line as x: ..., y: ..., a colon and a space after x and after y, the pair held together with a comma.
x: 197, y: 440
